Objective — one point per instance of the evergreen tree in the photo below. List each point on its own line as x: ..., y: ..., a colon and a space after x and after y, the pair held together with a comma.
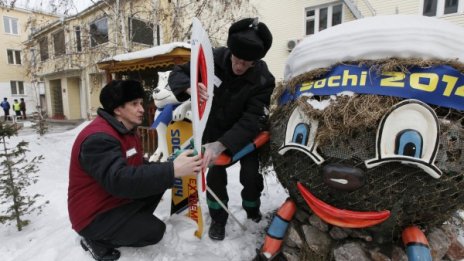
x: 16, y: 174
x: 41, y: 124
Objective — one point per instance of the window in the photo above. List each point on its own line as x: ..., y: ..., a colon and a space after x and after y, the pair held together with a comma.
x: 318, y: 19
x: 158, y: 36
x: 310, y: 24
x: 99, y: 32
x: 451, y: 6
x: 77, y: 30
x: 140, y: 31
x: 14, y: 56
x: 323, y: 18
x: 336, y: 15
x: 17, y: 87
x: 430, y: 7
x: 58, y: 43
x: 43, y: 45
x: 440, y: 7
x: 10, y: 25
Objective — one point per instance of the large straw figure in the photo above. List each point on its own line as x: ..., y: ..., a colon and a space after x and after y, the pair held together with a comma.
x: 373, y: 140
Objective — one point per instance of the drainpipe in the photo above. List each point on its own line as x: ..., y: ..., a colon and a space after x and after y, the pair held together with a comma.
x: 353, y: 8
x: 86, y: 91
x: 369, y: 6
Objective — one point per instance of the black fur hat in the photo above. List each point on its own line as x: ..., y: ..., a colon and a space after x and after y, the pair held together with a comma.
x: 249, y: 39
x: 118, y: 92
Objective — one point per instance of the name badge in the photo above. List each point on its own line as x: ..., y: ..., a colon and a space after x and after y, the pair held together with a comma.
x: 131, y: 152
x: 216, y: 81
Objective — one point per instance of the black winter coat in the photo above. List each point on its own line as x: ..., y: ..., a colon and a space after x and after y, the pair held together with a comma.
x: 240, y: 103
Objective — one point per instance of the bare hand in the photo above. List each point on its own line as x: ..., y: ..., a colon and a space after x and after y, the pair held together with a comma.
x: 212, y: 152
x: 186, y: 164
x: 202, y: 92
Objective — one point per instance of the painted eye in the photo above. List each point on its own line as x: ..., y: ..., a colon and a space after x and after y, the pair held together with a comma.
x: 301, y: 133
x: 409, y: 143
x: 408, y: 134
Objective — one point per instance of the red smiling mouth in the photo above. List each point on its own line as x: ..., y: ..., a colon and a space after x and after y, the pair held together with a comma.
x: 341, y: 217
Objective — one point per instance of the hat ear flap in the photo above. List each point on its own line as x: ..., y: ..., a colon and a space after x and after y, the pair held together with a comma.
x: 265, y: 35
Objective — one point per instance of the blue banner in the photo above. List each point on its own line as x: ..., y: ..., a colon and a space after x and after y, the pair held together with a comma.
x: 439, y: 85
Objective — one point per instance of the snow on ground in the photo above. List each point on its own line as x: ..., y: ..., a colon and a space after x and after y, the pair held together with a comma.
x: 50, y: 237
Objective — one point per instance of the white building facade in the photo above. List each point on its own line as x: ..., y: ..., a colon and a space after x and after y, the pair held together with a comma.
x: 16, y: 26
x: 292, y: 20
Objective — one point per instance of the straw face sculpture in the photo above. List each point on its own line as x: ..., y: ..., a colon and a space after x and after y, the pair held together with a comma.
x: 373, y: 143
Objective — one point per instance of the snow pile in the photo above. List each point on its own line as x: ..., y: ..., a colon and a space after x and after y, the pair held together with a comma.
x: 147, y: 53
x: 379, y: 37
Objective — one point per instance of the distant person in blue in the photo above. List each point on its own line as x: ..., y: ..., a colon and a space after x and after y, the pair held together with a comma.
x: 6, y: 108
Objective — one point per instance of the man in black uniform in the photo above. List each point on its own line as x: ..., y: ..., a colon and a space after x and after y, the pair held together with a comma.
x: 243, y: 86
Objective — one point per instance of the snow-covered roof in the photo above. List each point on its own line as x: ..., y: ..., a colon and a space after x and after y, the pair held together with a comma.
x: 147, y: 53
x: 378, y: 37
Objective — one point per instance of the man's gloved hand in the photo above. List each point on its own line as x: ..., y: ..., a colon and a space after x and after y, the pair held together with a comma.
x: 211, y: 153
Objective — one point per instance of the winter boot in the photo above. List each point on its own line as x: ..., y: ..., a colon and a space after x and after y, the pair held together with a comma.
x: 99, y: 252
x: 252, y: 209
x: 217, y: 231
x: 253, y: 213
x: 256, y: 216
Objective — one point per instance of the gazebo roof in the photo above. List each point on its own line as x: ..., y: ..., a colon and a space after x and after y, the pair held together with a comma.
x: 158, y: 56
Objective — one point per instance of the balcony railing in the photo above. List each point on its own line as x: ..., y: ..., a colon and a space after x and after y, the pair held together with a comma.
x: 149, y: 139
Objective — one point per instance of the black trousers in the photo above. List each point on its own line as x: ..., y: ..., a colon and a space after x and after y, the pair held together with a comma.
x: 132, y: 224
x: 250, y: 178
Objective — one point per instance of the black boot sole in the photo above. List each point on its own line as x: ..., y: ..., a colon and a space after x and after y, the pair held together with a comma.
x: 215, y: 237
x: 115, y: 255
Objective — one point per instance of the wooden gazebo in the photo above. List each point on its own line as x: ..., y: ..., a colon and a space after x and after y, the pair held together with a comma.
x: 158, y: 58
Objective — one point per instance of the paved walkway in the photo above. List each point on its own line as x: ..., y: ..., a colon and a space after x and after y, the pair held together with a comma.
x: 53, y: 126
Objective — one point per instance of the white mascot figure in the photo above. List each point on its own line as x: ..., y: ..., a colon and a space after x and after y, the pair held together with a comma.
x: 168, y: 109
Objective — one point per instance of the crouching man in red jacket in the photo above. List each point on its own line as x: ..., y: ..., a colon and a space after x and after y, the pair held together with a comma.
x: 113, y: 191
